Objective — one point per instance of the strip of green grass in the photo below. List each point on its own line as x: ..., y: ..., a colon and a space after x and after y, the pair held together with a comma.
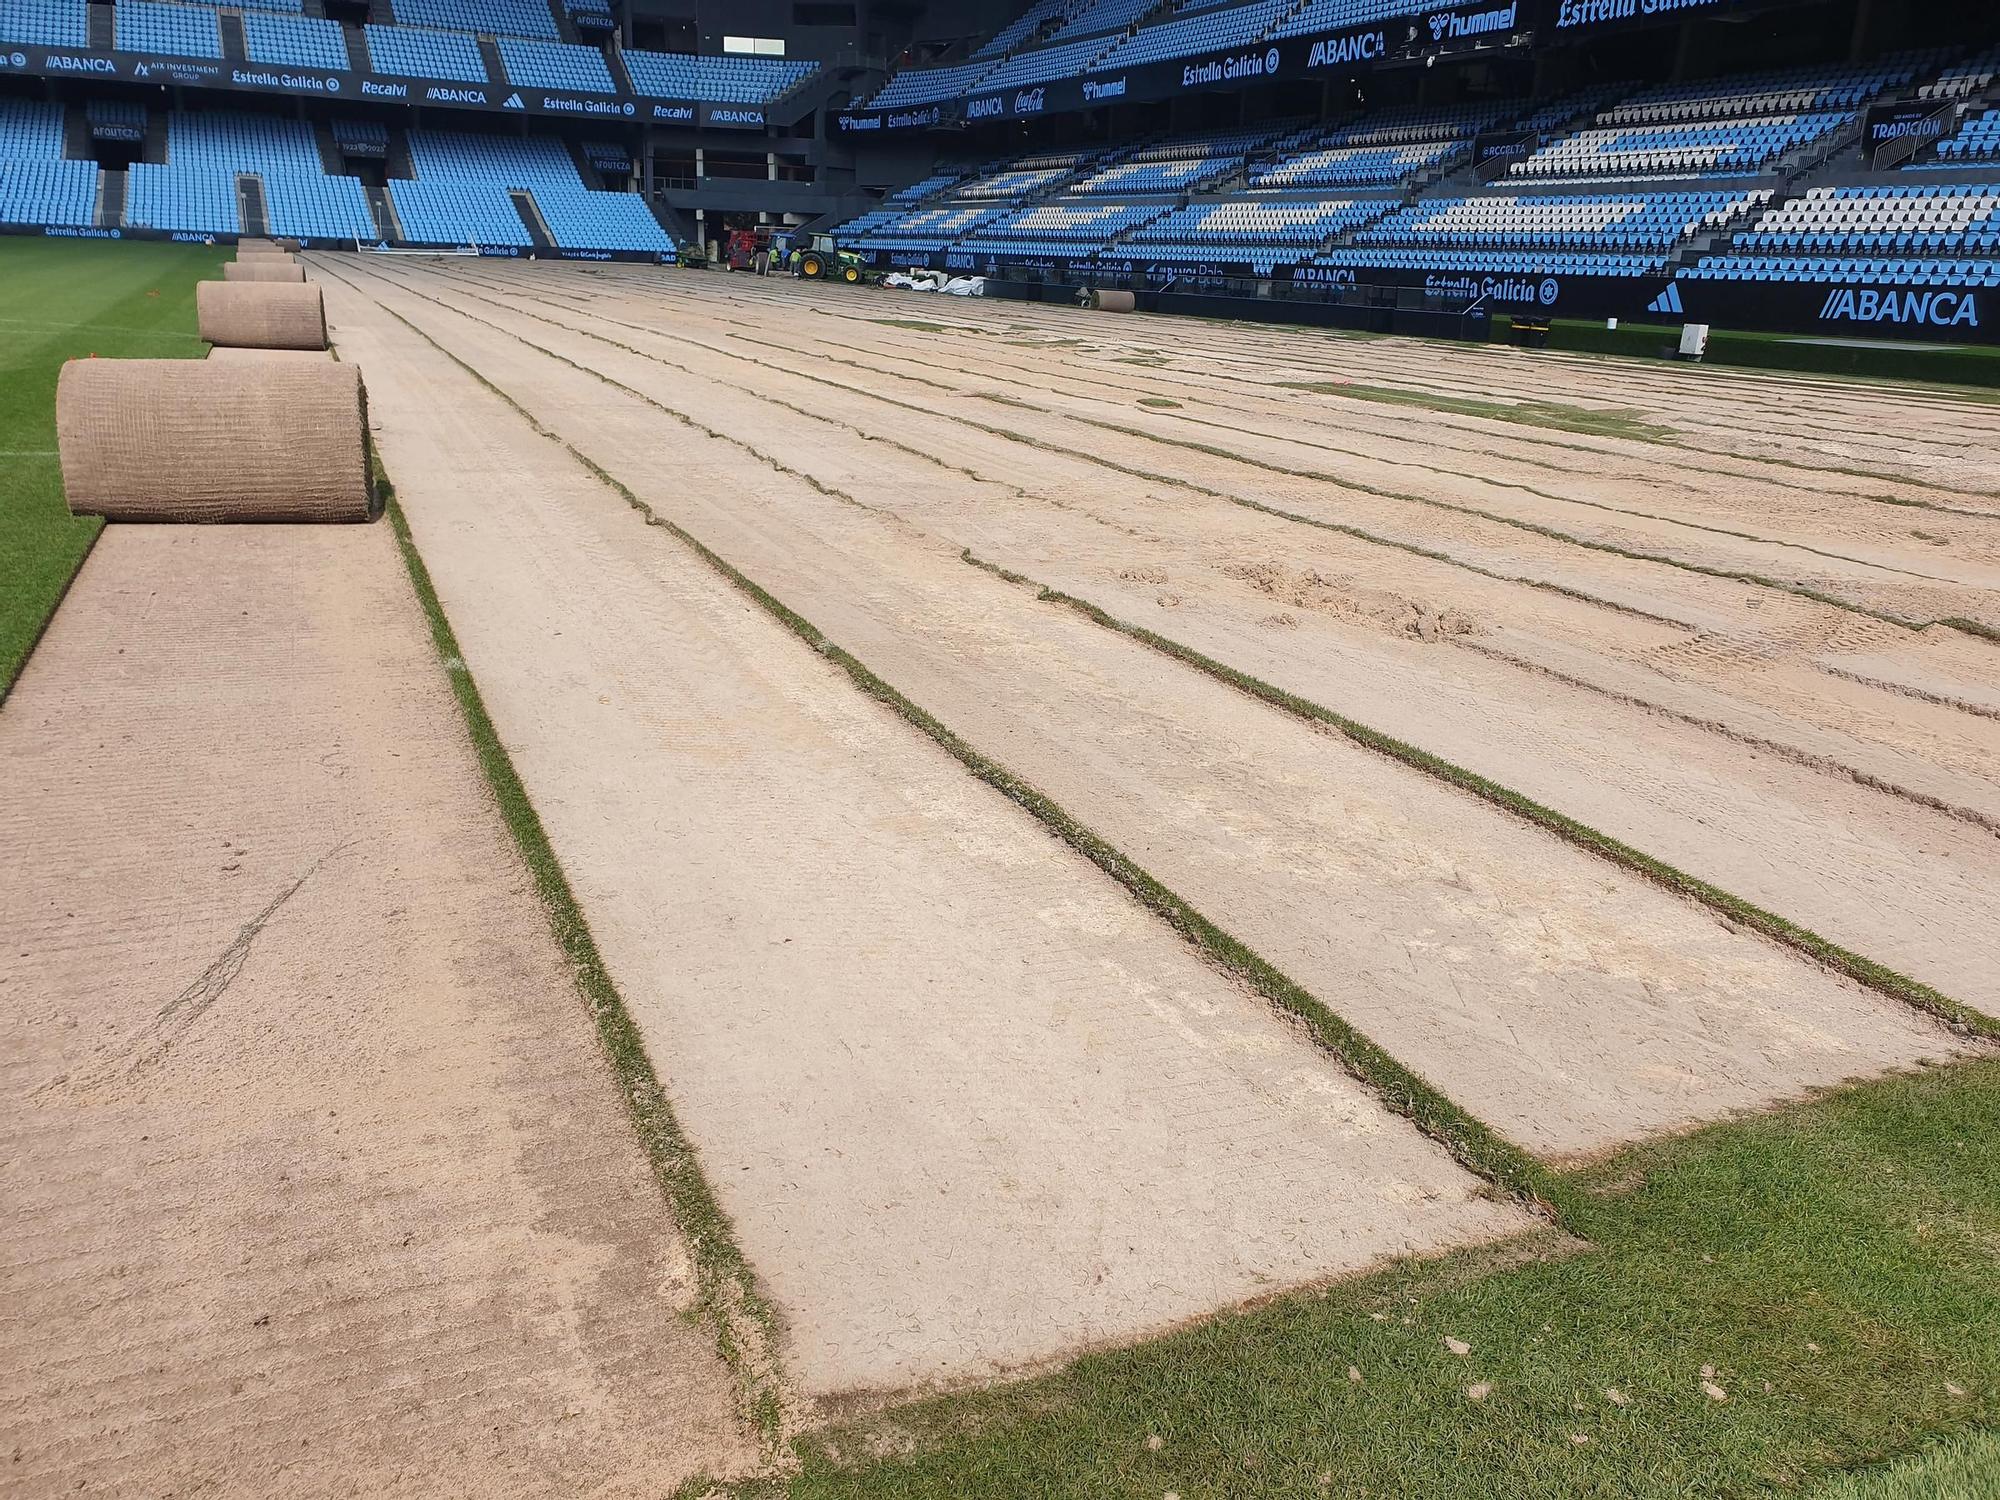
x: 1551, y: 414
x: 1961, y: 1468
x: 1833, y: 1265
x: 61, y: 300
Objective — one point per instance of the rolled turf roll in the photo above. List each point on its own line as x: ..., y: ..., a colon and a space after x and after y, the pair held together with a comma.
x: 264, y: 268
x: 261, y: 314
x: 1108, y: 300
x: 255, y: 247
x: 194, y: 440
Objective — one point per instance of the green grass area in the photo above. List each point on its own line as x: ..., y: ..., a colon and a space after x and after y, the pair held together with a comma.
x: 1961, y: 1468
x: 1832, y: 1267
x: 60, y: 300
x: 1555, y: 415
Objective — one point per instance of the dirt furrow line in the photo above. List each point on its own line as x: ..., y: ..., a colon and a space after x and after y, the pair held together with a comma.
x: 1790, y: 840
x: 1486, y: 370
x: 969, y: 1105
x: 1490, y: 444
x: 1854, y: 584
x: 1748, y: 652
x: 1620, y: 1011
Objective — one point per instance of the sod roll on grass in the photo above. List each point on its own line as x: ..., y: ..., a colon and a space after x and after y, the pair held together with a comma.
x: 261, y: 314
x: 264, y: 268
x: 192, y: 440
x: 1106, y: 300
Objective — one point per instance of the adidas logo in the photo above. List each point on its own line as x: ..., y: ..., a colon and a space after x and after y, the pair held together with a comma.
x: 512, y: 101
x: 1668, y: 301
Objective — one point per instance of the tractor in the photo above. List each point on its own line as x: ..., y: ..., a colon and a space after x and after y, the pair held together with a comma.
x: 823, y: 260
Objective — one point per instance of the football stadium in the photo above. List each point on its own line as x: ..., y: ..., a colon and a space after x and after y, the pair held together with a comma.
x: 1124, y: 749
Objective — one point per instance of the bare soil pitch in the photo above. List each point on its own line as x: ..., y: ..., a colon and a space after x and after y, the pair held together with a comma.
x: 969, y: 1106
x: 317, y: 1182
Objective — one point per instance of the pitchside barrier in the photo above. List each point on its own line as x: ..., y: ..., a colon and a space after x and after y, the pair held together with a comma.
x: 1958, y: 312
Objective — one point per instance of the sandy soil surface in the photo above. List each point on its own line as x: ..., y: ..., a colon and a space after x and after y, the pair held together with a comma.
x: 268, y: 356
x: 316, y: 1180
x: 1831, y: 767
x: 969, y: 1106
x: 1603, y: 1011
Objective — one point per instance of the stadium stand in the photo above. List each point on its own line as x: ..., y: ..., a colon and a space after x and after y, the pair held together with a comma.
x: 1062, y: 230
x: 1701, y: 148
x: 928, y: 85
x: 196, y: 189
x: 926, y: 230
x: 1064, y: 60
x: 413, y: 52
x: 45, y: 23
x: 1918, y: 228
x: 166, y: 30
x: 714, y: 80
x: 1263, y: 235
x: 1334, y: 15
x: 489, y: 17
x: 36, y: 185
x: 116, y: 119
x: 555, y: 65
x: 462, y: 195
x: 1962, y: 78
x: 1354, y: 166
x: 1097, y: 17
x: 294, y: 41
x: 1156, y: 175
x: 361, y: 137
x: 1023, y: 27
x: 1202, y: 31
x: 1976, y: 140
x: 1791, y: 91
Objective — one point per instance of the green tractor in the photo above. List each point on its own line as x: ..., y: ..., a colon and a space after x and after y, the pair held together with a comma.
x: 823, y: 260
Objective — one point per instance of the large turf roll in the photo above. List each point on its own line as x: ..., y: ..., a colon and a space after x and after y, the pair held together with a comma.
x: 264, y: 268
x: 1108, y: 300
x: 261, y: 314
x: 195, y: 440
x: 255, y: 247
